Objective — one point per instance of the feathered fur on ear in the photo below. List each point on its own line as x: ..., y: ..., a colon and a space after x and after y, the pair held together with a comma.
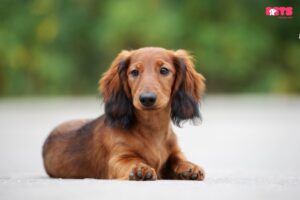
x: 188, y: 90
x: 116, y: 94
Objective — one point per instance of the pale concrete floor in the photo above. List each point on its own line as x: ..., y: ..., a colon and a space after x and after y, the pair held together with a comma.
x: 248, y: 145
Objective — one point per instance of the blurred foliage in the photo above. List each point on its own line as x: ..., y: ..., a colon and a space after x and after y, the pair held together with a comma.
x: 63, y: 46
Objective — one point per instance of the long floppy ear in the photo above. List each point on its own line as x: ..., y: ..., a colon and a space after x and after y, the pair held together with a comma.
x: 116, y: 95
x: 188, y: 90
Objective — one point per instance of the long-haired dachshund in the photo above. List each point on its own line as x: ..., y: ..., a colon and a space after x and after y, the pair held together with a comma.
x: 143, y: 91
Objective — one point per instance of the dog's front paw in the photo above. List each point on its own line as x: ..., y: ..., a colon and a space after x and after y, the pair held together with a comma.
x: 189, y: 171
x: 142, y: 172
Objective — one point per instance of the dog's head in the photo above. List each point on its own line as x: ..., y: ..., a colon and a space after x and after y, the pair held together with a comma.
x: 151, y: 79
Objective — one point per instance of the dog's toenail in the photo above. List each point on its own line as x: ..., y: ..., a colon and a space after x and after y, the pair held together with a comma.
x: 148, y: 175
x: 131, y: 175
x: 184, y: 174
x: 194, y: 176
x: 139, y: 173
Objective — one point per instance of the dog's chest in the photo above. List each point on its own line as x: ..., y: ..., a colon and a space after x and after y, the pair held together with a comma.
x: 156, y: 156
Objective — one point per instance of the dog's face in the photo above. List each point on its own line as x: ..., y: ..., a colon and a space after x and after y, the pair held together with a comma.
x: 151, y: 79
x: 151, y: 76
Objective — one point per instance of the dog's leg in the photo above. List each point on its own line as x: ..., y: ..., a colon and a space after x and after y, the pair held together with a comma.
x: 125, y: 164
x: 130, y: 168
x: 177, y: 167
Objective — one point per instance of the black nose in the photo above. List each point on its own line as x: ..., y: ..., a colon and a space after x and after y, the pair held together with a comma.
x: 147, y: 99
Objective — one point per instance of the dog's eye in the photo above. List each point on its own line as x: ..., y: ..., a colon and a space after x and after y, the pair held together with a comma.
x: 164, y: 71
x: 134, y: 73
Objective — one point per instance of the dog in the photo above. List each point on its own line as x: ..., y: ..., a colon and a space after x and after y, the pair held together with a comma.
x: 143, y: 91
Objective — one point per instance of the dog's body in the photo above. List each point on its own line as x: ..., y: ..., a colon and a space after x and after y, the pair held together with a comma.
x: 143, y: 91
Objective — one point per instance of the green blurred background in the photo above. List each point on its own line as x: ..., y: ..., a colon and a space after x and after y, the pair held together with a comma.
x: 61, y: 47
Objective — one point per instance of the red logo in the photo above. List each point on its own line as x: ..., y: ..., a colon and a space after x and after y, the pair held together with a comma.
x: 279, y: 11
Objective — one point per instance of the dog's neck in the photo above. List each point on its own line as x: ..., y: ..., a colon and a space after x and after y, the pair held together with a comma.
x: 154, y: 122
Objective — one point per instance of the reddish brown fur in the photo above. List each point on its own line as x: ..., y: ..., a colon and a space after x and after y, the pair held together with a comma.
x: 130, y: 141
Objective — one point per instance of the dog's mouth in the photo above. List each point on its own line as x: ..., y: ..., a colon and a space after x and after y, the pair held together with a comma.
x: 150, y: 108
x: 146, y: 108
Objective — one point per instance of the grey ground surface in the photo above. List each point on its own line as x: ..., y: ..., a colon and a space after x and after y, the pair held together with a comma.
x: 248, y: 145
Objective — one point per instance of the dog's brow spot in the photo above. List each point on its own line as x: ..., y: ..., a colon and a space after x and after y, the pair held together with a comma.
x: 159, y: 63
